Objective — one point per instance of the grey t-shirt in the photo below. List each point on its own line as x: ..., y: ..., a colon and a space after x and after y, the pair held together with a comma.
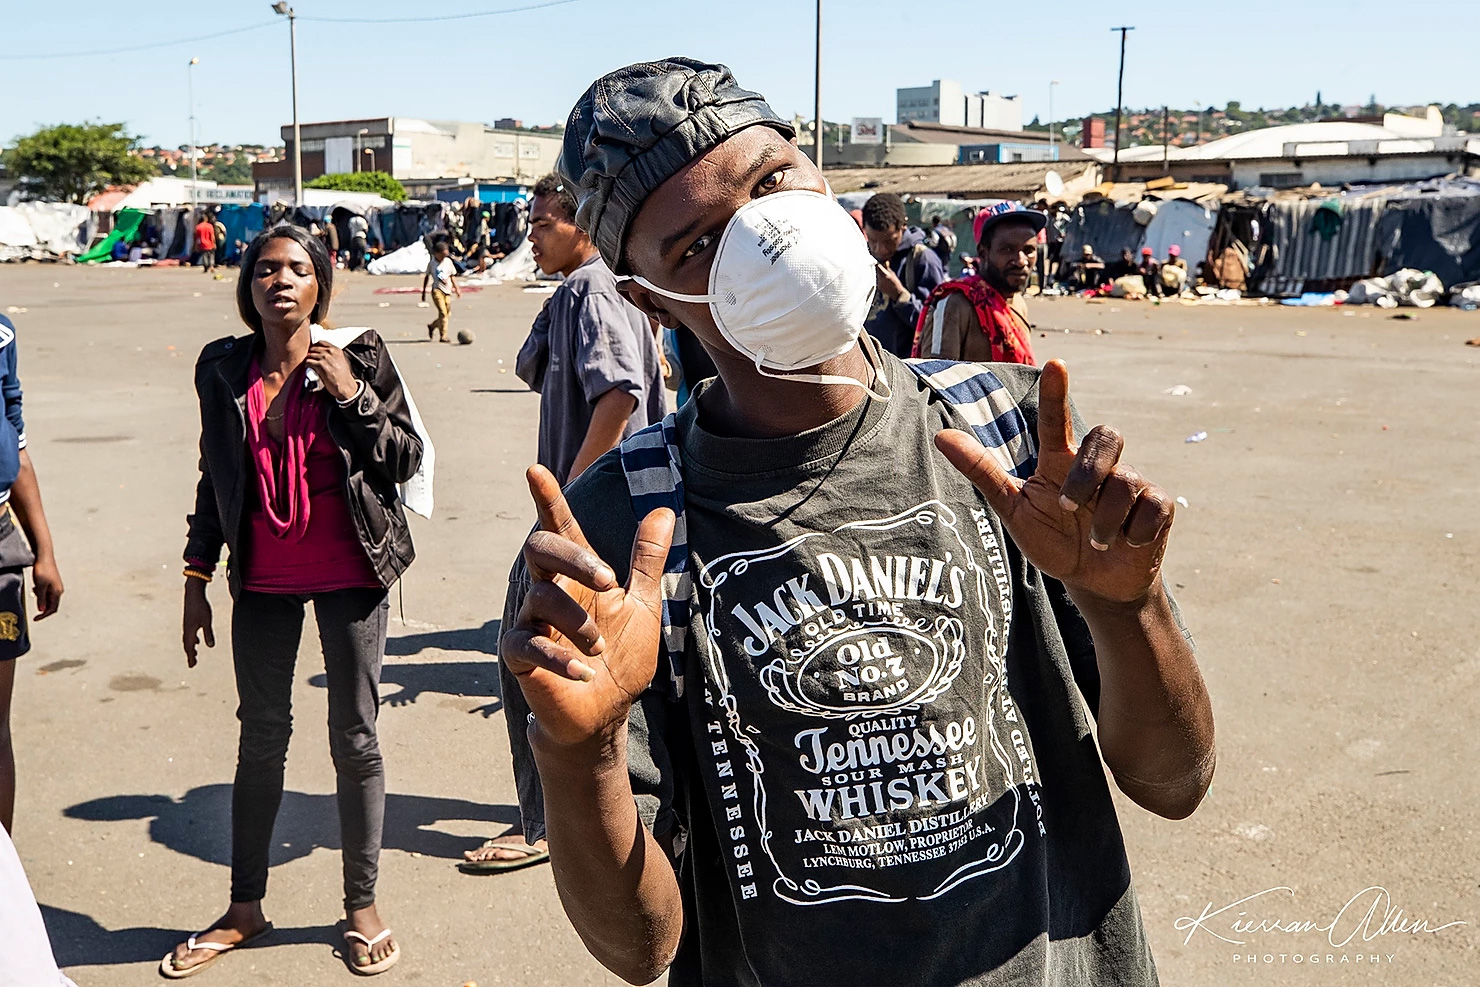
x: 881, y: 769
x: 587, y: 340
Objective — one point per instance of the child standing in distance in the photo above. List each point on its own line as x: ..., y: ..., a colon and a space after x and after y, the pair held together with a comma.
x: 440, y: 271
x: 20, y: 510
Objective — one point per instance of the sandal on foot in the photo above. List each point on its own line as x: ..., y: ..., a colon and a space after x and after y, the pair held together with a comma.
x: 218, y: 949
x: 531, y: 855
x: 369, y: 969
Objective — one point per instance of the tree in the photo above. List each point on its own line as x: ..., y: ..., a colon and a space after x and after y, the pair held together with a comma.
x: 74, y: 162
x: 378, y: 182
x: 238, y: 172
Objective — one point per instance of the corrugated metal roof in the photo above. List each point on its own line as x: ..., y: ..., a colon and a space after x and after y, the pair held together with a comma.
x: 978, y: 179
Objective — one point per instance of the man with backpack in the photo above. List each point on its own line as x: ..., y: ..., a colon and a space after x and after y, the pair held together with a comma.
x: 908, y: 271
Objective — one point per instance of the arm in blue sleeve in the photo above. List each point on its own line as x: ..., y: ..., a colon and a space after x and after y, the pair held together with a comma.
x: 12, y: 391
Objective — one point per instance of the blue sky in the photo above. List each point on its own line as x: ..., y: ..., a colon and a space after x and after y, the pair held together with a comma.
x: 534, y: 64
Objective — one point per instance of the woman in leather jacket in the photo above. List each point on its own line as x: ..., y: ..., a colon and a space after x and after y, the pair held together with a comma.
x: 302, y: 445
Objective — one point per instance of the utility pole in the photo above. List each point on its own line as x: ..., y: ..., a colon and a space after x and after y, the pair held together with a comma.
x: 817, y: 94
x: 1119, y: 97
x: 1053, y: 150
x: 283, y: 9
x: 1166, y: 147
x: 194, y: 178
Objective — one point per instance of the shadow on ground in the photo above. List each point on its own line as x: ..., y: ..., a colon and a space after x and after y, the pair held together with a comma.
x: 459, y: 679
x: 199, y: 823
x: 78, y: 940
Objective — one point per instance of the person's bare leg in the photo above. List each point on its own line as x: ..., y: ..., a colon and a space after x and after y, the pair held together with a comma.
x: 7, y: 752
x: 367, y: 922
x: 243, y: 920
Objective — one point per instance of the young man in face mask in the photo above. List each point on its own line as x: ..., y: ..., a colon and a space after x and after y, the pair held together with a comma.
x: 983, y: 318
x: 797, y: 725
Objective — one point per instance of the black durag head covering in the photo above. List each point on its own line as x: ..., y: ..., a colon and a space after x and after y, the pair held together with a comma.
x: 636, y: 127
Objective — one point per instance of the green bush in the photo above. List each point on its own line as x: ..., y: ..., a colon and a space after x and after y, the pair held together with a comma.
x: 378, y: 182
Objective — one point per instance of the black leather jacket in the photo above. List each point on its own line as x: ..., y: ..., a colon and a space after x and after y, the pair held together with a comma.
x: 381, y: 449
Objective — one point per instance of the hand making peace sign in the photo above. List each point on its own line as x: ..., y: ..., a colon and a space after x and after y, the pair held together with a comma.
x: 1082, y: 518
x: 583, y: 647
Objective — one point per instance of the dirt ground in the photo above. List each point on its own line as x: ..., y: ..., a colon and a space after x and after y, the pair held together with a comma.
x: 1326, y: 560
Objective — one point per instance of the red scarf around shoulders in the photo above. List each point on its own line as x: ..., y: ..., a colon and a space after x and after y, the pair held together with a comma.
x: 1009, y: 338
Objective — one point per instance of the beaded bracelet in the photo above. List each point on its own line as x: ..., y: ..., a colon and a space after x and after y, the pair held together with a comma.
x: 196, y: 574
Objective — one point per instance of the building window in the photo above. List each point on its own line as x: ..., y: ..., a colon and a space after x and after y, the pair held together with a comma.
x: 1281, y: 179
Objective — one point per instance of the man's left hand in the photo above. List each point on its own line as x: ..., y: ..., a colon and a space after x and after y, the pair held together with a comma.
x: 889, y: 284
x: 1083, y: 517
x: 332, y: 366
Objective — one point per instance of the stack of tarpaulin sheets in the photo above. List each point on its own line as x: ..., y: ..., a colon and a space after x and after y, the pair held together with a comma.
x: 44, y: 230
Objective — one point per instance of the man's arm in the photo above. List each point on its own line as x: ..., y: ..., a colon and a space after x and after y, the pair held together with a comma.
x: 948, y: 327
x: 1155, y: 718
x: 608, y: 422
x: 614, y: 881
x: 25, y: 497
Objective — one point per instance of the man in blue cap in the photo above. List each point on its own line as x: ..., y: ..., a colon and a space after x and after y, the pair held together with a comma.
x: 982, y: 317
x: 793, y: 679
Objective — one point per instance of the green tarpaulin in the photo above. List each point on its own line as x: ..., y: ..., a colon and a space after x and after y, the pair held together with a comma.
x: 126, y: 228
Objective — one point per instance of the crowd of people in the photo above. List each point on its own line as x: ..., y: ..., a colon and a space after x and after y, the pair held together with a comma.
x: 765, y: 710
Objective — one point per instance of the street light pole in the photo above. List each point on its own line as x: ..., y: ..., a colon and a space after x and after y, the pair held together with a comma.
x: 1053, y: 149
x: 817, y: 94
x: 1119, y: 96
x: 194, y: 186
x: 283, y: 9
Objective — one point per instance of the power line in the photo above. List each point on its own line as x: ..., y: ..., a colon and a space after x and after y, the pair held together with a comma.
x: 428, y: 20
x: 146, y: 46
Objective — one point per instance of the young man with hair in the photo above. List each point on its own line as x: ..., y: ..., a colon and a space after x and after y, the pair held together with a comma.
x: 793, y: 681
x: 983, y: 318
x: 908, y: 271
x: 594, y: 360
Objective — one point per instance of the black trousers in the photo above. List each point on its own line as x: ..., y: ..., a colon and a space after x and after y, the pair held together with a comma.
x: 265, y: 631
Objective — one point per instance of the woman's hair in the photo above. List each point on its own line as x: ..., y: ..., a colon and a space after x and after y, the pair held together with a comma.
x: 318, y: 255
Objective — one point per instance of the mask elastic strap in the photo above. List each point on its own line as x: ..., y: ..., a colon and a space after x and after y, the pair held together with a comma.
x: 677, y: 296
x: 832, y: 378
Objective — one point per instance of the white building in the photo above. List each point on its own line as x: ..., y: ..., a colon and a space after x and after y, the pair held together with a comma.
x: 944, y: 102
x: 1329, y: 153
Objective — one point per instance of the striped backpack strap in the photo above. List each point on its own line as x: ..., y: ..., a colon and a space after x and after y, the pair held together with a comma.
x: 980, y: 397
x: 654, y: 473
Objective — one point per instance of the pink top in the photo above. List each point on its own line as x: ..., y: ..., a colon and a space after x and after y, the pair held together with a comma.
x: 301, y: 537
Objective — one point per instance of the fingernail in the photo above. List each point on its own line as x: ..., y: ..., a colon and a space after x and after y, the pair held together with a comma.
x: 606, y: 577
x: 1136, y: 544
x: 1098, y: 546
x: 598, y: 645
x: 582, y: 671
x: 1067, y: 504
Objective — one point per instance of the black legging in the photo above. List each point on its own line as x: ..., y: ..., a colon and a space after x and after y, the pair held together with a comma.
x: 265, y: 631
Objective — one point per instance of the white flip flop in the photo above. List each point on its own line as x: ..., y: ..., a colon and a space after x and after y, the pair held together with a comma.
x: 370, y: 969
x: 220, y: 949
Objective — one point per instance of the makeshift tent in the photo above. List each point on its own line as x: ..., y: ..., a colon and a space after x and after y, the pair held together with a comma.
x: 61, y: 228
x: 126, y: 228
x: 242, y: 223
x: 1105, y: 226
x: 1432, y: 226
x: 408, y: 260
x: 1182, y: 222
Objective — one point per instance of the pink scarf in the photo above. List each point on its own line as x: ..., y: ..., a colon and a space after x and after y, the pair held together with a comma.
x: 282, y: 469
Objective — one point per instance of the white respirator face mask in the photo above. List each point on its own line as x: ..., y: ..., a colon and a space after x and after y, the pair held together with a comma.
x: 791, y: 285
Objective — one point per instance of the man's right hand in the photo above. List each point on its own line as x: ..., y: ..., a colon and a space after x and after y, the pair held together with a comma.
x: 197, y: 619
x: 575, y: 611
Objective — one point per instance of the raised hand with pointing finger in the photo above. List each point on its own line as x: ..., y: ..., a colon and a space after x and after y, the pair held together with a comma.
x: 584, y: 647
x: 1083, y: 517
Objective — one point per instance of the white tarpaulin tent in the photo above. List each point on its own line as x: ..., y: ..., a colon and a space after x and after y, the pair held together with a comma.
x: 15, y: 231
x: 61, y: 228
x: 408, y: 260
